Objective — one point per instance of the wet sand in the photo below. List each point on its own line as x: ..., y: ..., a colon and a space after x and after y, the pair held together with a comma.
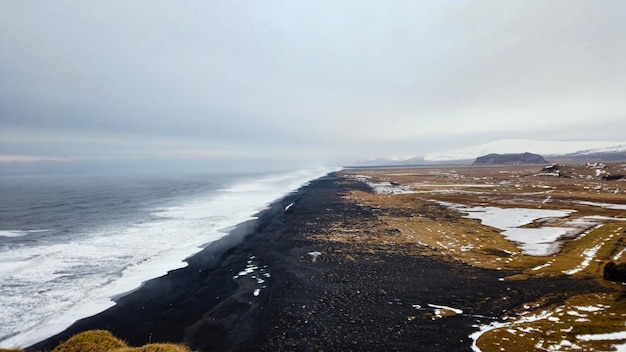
x: 354, y: 297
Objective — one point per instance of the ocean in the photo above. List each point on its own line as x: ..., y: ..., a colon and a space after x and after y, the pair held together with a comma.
x: 71, y: 243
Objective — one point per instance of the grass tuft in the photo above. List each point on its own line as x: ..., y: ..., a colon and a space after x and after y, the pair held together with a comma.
x: 91, y: 341
x: 104, y: 341
x: 156, y: 347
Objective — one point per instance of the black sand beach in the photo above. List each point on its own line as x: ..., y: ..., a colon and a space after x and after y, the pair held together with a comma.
x: 354, y: 297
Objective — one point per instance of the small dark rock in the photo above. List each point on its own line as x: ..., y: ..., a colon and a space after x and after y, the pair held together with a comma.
x: 613, y: 177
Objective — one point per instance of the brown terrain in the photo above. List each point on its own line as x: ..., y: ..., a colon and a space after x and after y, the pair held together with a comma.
x: 409, y: 211
x: 386, y: 260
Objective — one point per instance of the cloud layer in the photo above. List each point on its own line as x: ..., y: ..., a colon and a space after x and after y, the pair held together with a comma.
x: 325, y: 81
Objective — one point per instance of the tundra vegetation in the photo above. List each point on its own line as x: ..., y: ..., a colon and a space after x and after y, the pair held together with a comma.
x: 413, y: 206
x: 425, y: 211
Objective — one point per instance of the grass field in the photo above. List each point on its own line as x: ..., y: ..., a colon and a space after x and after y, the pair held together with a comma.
x: 411, y: 206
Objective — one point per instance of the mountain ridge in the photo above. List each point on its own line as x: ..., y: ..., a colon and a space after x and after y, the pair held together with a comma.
x: 510, y: 159
x: 555, y: 151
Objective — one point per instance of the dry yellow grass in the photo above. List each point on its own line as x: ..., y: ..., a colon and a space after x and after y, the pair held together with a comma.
x: 155, y: 347
x: 419, y: 218
x: 104, y: 341
x: 561, y: 327
x: 93, y: 341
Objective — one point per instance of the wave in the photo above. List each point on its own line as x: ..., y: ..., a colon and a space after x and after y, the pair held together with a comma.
x: 19, y: 233
x: 51, y: 286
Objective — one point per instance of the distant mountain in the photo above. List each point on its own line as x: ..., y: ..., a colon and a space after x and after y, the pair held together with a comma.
x: 614, y: 154
x: 510, y: 159
x: 510, y: 146
x: 553, y: 151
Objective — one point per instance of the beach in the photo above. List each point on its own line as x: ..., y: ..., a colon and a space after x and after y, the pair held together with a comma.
x: 320, y: 270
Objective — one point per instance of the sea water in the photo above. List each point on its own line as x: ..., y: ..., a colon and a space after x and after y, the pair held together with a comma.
x: 70, y: 243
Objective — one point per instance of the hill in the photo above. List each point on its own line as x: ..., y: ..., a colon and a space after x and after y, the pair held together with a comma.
x: 510, y: 159
x: 555, y: 151
x: 582, y: 149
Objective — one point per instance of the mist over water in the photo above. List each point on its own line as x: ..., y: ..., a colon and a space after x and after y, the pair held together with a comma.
x: 70, y: 243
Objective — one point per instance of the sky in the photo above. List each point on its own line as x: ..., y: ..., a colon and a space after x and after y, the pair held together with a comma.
x: 231, y: 82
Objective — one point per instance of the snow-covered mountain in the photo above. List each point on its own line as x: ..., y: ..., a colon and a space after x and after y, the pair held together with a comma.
x: 545, y: 148
x: 554, y: 150
x: 614, y: 149
x: 390, y: 162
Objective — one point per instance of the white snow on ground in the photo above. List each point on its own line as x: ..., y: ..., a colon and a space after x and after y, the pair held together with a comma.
x: 537, y: 241
x: 600, y: 217
x: 589, y: 255
x: 534, y: 241
x: 601, y: 337
x: 516, y: 326
x: 604, y: 205
x: 504, y: 218
x: 619, y: 255
x: 256, y: 273
x: 539, y: 267
x: 589, y: 308
x: 496, y: 325
x: 389, y: 188
x: 384, y: 187
x: 314, y: 256
x: 455, y: 310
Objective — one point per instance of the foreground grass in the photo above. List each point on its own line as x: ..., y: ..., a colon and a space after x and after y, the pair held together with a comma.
x: 104, y: 341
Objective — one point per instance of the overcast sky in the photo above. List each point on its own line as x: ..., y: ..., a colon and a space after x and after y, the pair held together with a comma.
x: 315, y: 81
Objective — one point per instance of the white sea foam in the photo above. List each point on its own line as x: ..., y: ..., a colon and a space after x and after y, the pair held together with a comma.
x: 45, y: 288
x: 19, y: 233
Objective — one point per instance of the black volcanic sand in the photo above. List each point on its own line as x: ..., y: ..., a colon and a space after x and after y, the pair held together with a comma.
x: 355, y: 297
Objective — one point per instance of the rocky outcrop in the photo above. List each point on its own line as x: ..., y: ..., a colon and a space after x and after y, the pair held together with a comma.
x: 510, y: 159
x: 615, y: 272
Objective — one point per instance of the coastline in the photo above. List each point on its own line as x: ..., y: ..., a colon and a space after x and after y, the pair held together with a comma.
x: 152, y: 312
x: 258, y: 289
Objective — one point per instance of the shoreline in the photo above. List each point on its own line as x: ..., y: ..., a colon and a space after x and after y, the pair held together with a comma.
x: 261, y: 291
x: 209, y: 263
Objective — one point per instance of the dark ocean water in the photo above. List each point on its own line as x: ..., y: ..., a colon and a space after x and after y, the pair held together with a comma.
x: 69, y: 243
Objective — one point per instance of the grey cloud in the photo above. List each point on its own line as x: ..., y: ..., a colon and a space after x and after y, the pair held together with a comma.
x: 317, y: 79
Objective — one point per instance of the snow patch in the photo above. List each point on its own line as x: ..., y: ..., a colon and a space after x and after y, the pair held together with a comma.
x: 454, y: 310
x: 621, y: 335
x: 589, y: 255
x: 534, y: 241
x: 314, y: 256
x: 604, y: 205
